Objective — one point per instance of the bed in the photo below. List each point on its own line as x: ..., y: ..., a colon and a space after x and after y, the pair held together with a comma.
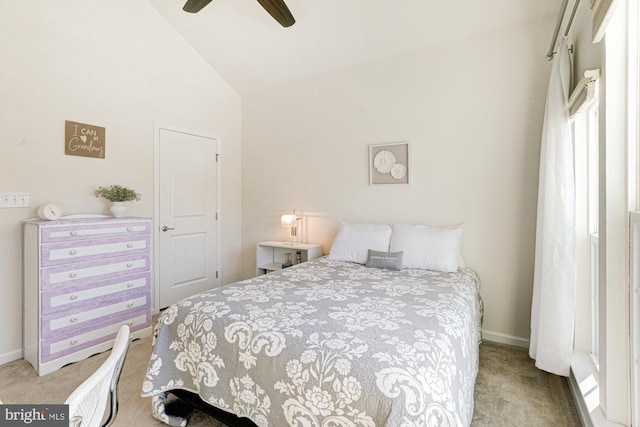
x: 326, y: 343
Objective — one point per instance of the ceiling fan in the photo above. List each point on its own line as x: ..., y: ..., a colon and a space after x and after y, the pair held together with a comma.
x: 276, y: 8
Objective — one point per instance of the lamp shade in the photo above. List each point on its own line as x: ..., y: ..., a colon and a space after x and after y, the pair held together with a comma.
x: 288, y: 220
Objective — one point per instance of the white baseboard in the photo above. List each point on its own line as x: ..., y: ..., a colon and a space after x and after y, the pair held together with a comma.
x: 504, y: 339
x: 10, y: 357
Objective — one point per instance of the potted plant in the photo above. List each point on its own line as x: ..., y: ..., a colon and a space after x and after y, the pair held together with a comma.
x: 117, y: 195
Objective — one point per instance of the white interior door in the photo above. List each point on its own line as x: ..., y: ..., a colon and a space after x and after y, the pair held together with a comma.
x: 186, y: 229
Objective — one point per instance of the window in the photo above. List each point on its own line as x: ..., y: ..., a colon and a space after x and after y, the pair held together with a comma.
x: 584, y: 114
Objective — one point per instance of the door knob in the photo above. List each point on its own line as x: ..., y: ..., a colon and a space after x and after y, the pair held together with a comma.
x: 165, y: 228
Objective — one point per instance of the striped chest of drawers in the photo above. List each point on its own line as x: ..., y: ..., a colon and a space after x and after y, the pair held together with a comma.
x: 83, y: 279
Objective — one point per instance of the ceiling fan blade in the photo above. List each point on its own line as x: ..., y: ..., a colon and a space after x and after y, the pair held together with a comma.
x: 279, y: 10
x: 193, y: 6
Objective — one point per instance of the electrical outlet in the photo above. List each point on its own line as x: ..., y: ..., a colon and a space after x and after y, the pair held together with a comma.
x: 14, y: 200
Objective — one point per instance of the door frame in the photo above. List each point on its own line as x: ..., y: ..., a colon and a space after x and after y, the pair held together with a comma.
x: 156, y: 202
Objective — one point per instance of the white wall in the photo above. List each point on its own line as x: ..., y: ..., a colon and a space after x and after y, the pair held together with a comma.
x: 116, y: 64
x: 472, y: 111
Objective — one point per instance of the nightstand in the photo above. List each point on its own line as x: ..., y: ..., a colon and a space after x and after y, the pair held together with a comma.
x: 271, y: 255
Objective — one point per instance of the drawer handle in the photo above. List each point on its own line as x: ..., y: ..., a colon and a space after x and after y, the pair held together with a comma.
x: 129, y: 265
x: 73, y: 274
x: 73, y: 342
x: 129, y: 285
x: 74, y: 233
x: 130, y: 304
x: 129, y: 245
x: 73, y: 252
x: 73, y: 319
x: 74, y: 297
x: 129, y: 228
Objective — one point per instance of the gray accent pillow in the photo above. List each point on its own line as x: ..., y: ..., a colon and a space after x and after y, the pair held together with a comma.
x: 388, y: 260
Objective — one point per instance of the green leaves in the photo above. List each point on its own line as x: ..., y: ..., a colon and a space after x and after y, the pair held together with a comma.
x: 118, y: 193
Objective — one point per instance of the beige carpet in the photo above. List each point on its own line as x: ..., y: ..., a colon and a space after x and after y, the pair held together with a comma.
x: 510, y: 391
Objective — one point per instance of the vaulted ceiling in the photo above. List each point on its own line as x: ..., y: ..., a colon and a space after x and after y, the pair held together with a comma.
x: 253, y: 52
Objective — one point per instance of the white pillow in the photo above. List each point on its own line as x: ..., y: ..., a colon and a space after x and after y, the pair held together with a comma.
x: 353, y: 241
x: 428, y: 248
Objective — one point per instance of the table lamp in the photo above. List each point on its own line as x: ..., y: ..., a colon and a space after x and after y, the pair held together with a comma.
x: 291, y: 221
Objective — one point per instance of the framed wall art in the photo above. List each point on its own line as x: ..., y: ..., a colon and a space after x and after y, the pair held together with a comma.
x: 81, y: 139
x: 389, y: 163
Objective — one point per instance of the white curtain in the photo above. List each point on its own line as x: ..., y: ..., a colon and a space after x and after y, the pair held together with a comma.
x: 552, y: 311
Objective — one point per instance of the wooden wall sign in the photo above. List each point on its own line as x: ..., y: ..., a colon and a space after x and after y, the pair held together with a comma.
x: 84, y: 140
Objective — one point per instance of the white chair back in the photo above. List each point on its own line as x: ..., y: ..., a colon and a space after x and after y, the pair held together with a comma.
x: 87, y: 404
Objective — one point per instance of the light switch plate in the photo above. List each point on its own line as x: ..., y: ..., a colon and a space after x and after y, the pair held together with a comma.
x: 14, y: 200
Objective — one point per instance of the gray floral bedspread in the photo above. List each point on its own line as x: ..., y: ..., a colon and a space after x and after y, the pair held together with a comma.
x: 326, y: 343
